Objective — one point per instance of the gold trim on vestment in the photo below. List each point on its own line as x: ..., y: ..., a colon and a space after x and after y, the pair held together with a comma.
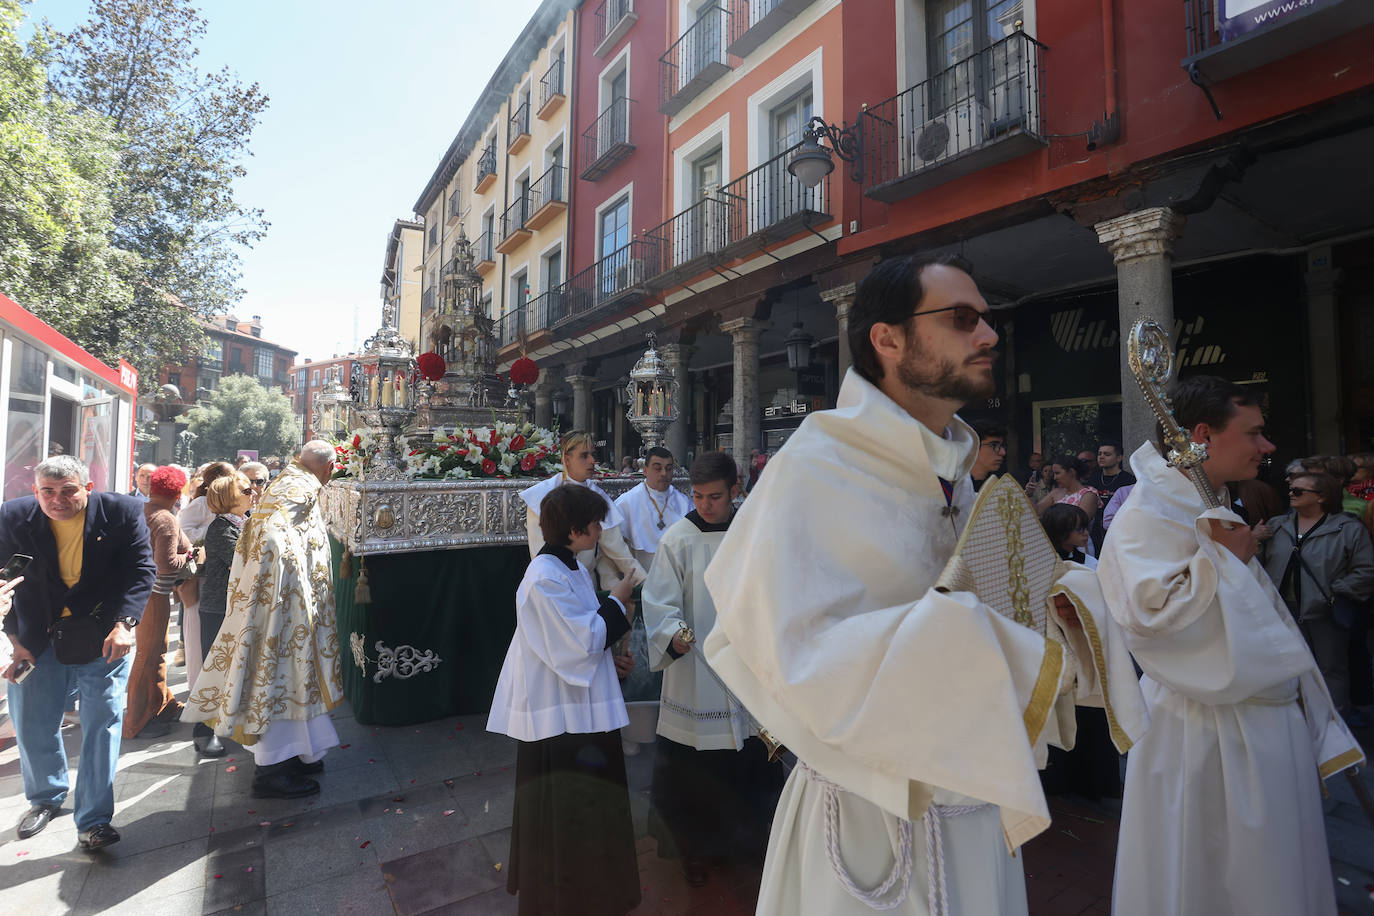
x: 1046, y: 689
x: 1340, y: 762
x: 1122, y: 740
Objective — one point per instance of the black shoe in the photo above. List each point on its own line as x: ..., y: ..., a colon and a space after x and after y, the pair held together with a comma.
x: 695, y: 872
x: 155, y: 729
x: 307, y: 769
x: 98, y: 837
x: 201, y: 730
x: 36, y: 819
x: 280, y: 780
x: 211, y: 746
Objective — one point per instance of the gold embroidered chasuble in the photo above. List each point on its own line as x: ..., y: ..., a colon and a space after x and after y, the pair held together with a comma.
x: 277, y: 654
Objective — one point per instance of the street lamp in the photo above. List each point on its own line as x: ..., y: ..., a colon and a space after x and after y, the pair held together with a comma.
x: 560, y: 402
x: 812, y: 162
x: 798, y: 344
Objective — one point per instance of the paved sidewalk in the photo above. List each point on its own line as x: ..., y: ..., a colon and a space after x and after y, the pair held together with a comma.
x: 416, y: 820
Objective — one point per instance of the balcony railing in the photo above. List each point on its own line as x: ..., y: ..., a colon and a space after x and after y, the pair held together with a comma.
x: 519, y: 132
x: 767, y: 204
x: 551, y: 93
x: 693, y: 239
x: 212, y: 365
x: 607, y: 141
x: 615, y: 282
x: 513, y: 231
x: 695, y: 61
x: 427, y: 300
x: 548, y: 197
x: 755, y: 21
x: 486, y: 169
x: 528, y: 318
x: 981, y: 111
x: 484, y: 252
x: 453, y: 205
x: 613, y: 19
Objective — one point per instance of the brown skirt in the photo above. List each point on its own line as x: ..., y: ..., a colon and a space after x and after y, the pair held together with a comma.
x: 149, y: 697
x: 572, y: 841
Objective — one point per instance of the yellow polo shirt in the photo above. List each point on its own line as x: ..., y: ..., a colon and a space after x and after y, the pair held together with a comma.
x: 71, y: 543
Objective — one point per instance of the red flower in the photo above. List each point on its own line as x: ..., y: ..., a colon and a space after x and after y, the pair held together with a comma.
x: 431, y: 366
x: 517, y: 443
x: 488, y: 466
x: 357, y: 441
x: 527, y: 463
x: 523, y: 371
x: 443, y: 448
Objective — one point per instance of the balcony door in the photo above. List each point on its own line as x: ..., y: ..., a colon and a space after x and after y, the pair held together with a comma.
x: 615, y: 128
x: 615, y: 240
x: 779, y: 194
x: 705, y: 224
x: 977, y: 86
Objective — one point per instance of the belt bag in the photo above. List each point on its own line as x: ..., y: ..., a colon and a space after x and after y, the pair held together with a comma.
x: 78, y: 640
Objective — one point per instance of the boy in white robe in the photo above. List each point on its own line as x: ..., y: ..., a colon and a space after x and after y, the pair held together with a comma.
x: 1222, y: 813
x: 714, y: 789
x: 652, y: 507
x: 915, y: 714
x: 572, y: 838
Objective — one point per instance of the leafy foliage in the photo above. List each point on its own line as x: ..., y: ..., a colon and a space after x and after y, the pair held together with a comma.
x: 242, y: 414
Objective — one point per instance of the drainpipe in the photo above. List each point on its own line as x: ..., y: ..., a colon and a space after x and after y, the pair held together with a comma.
x: 1108, y: 130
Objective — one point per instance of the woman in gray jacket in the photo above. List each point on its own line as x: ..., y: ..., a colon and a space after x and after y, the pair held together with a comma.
x: 1317, y: 554
x: 229, y: 498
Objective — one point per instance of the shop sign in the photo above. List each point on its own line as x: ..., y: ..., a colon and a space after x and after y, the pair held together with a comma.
x: 1241, y: 16
x: 795, y: 409
x: 811, y: 380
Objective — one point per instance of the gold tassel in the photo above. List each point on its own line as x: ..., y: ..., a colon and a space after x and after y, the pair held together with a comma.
x: 362, y: 592
x: 346, y: 565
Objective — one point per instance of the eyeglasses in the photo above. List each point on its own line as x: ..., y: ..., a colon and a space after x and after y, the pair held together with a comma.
x: 258, y: 481
x: 966, y: 317
x: 1298, y: 491
x: 247, y: 491
x: 994, y: 446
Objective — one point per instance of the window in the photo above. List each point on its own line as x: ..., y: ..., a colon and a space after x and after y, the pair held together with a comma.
x: 262, y: 364
x: 315, y: 378
x: 615, y: 226
x: 174, y: 378
x: 786, y: 122
x: 300, y: 378
x: 553, y: 270
x: 957, y: 30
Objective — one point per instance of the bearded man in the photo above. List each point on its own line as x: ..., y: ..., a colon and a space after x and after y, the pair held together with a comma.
x: 917, y: 716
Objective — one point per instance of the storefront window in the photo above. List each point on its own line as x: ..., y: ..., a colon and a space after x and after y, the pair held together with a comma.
x: 24, y: 445
x: 97, y: 432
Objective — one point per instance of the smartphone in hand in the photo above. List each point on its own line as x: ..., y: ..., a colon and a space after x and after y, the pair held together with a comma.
x: 15, y: 566
x: 22, y: 669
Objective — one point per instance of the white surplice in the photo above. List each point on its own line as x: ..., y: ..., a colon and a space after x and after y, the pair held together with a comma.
x: 558, y: 676
x: 1222, y: 813
x: 693, y: 711
x: 611, y: 558
x: 896, y: 698
x: 642, y: 509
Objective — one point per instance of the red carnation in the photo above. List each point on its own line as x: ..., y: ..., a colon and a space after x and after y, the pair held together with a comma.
x: 431, y: 366
x: 524, y: 372
x: 488, y: 466
x: 527, y: 463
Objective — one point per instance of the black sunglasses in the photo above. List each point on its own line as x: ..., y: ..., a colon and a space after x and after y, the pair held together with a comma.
x: 1298, y: 491
x: 966, y: 317
x: 258, y: 481
x: 247, y: 491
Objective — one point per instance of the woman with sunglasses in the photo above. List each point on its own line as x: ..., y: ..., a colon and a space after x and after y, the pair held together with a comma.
x: 1322, y: 562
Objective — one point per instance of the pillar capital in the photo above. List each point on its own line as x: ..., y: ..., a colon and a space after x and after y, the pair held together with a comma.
x: 580, y: 381
x: 677, y: 354
x: 841, y: 297
x: 744, y: 328
x: 1141, y: 234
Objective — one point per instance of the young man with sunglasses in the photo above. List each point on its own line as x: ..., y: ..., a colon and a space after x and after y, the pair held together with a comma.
x: 1221, y: 813
x: 906, y: 707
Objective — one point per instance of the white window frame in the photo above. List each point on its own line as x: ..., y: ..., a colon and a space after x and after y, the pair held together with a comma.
x: 807, y: 71
x: 612, y: 69
x: 543, y: 259
x: 686, y: 155
x: 611, y: 200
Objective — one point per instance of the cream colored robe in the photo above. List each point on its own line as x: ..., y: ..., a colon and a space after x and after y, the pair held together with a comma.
x: 277, y: 655
x: 828, y: 631
x: 611, y: 559
x: 1222, y: 813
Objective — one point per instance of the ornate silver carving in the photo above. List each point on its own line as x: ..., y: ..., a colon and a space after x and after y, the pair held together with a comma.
x: 403, y: 662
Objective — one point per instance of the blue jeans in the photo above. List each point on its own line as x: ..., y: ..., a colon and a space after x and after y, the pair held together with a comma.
x: 36, y: 707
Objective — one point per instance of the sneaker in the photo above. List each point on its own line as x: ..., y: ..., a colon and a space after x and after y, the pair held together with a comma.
x: 98, y: 837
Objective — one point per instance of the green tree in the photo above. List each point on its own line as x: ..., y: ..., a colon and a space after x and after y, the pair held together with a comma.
x: 242, y: 414
x: 59, y: 167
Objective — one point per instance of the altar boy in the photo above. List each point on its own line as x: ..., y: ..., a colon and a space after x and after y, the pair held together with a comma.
x: 572, y: 845
x: 652, y: 507
x: 714, y: 790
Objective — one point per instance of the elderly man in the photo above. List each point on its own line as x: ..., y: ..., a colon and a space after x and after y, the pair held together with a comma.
x: 258, y: 478
x: 72, y: 629
x: 273, y: 674
x: 142, y: 478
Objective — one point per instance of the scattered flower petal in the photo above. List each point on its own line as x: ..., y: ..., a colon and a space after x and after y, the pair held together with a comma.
x: 366, y: 843
x: 264, y: 823
x: 498, y: 866
x: 231, y: 769
x: 449, y: 811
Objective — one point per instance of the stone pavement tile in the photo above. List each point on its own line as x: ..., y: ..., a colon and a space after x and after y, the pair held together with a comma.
x: 142, y: 832
x: 411, y: 827
x: 235, y: 872
x: 309, y: 854
x: 361, y: 891
x: 43, y: 885
x: 418, y: 795
x: 186, y: 903
x: 117, y: 877
x: 448, y: 874
x: 1349, y: 842
x: 493, y: 903
x: 486, y: 783
x: 256, y: 908
x: 497, y: 845
x: 358, y: 753
x: 422, y: 767
x: 487, y: 814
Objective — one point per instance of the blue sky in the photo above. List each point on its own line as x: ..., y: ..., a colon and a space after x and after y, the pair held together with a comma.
x: 365, y: 98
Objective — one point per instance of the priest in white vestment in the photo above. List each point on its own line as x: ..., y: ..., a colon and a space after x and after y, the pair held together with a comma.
x: 652, y: 507
x: 915, y: 714
x: 1222, y: 811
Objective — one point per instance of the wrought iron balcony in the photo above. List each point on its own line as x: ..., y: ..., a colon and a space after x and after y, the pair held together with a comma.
x: 1219, y: 50
x: 693, y: 240
x: 211, y: 365
x: 614, y: 283
x: 486, y: 169
x: 981, y: 111
x: 607, y: 141
x: 767, y: 204
x: 613, y: 20
x: 551, y: 93
x: 755, y: 21
x: 453, y: 206
x: 484, y: 253
x: 523, y: 321
x: 695, y: 61
x: 427, y: 301
x: 519, y: 132
x: 513, y: 230
x: 548, y: 197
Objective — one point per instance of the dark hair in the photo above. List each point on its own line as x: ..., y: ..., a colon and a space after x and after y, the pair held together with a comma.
x: 567, y: 509
x: 1259, y: 502
x: 1061, y: 520
x: 1114, y: 444
x: 1074, y: 463
x: 890, y: 293
x: 1338, y: 466
x: 658, y: 451
x: 213, y: 471
x: 1208, y: 399
x: 712, y: 466
x: 989, y: 429
x: 1329, y: 490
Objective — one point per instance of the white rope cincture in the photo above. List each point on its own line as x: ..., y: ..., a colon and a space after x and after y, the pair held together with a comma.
x: 937, y: 893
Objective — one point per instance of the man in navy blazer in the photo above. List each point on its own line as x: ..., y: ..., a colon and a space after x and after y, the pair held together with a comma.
x: 109, y: 576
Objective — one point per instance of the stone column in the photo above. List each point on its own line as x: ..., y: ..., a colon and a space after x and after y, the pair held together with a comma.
x: 747, y: 433
x: 677, y: 356
x: 842, y: 298
x: 1141, y: 243
x: 543, y: 401
x: 582, y: 401
x: 1323, y: 355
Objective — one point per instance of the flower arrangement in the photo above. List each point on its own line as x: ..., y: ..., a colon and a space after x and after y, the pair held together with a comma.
x: 430, y: 366
x: 524, y: 371
x: 500, y: 450
x: 354, y: 454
